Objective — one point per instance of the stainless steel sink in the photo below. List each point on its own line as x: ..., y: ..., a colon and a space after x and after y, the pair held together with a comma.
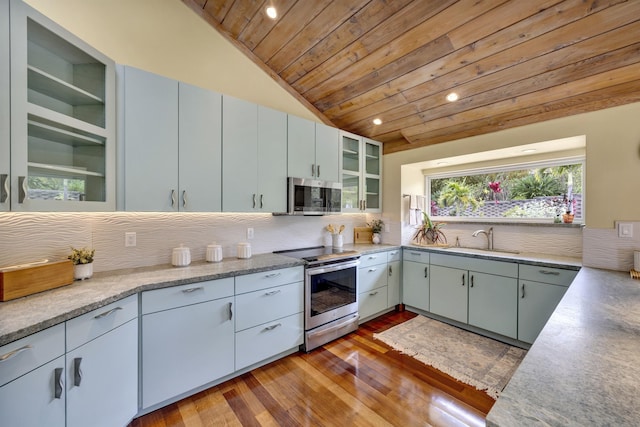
x: 483, y: 251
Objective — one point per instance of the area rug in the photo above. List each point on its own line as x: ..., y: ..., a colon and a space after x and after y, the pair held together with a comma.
x: 480, y: 362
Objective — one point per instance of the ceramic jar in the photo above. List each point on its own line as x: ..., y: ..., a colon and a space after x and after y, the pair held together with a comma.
x: 214, y: 253
x: 244, y: 250
x: 181, y: 256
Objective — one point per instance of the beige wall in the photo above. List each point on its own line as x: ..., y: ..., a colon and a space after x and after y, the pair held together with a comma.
x: 168, y: 38
x: 612, y: 165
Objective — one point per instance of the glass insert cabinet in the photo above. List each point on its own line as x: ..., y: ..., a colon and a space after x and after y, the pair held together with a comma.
x: 62, y: 118
x: 361, y: 173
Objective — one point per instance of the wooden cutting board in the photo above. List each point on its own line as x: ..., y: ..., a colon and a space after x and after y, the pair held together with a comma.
x: 20, y: 281
x: 362, y: 234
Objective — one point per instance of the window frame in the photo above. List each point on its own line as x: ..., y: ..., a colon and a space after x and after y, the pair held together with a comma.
x: 462, y: 171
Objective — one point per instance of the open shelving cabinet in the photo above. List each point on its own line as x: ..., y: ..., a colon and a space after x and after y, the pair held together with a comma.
x: 62, y: 118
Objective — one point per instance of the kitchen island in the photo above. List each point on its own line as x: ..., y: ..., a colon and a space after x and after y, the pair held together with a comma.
x: 583, y: 369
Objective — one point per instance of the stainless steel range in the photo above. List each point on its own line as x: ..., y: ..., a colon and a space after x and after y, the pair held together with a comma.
x: 330, y: 292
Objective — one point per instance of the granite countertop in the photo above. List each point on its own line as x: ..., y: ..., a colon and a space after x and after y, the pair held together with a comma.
x: 543, y: 260
x: 583, y: 368
x: 27, y: 315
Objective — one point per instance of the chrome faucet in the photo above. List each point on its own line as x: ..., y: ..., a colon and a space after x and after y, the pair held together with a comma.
x: 489, y: 235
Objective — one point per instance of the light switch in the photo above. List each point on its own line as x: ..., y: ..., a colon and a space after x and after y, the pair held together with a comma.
x: 625, y: 229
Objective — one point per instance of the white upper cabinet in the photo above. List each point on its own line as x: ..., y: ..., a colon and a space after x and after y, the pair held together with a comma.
x: 361, y: 165
x: 171, y: 136
x: 62, y: 117
x: 254, y: 157
x: 314, y: 150
x: 5, y: 108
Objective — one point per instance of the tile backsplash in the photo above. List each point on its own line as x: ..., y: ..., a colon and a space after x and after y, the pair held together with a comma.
x: 26, y: 237
x: 604, y: 249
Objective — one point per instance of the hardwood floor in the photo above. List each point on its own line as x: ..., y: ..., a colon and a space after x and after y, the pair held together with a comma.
x: 354, y: 381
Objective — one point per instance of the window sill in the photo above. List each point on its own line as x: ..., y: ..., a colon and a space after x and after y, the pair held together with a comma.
x: 501, y: 221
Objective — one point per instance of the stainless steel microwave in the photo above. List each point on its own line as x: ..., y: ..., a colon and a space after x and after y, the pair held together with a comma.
x: 313, y: 197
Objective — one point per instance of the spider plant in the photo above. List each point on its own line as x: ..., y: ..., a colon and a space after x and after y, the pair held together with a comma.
x: 429, y: 232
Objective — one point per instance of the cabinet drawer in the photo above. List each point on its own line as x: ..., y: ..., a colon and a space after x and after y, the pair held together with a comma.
x: 255, y: 308
x: 372, y: 277
x: 372, y: 302
x: 499, y: 268
x: 373, y: 259
x: 415, y: 256
x: 556, y: 276
x: 394, y: 255
x: 30, y: 352
x: 84, y: 328
x: 268, y: 279
x: 267, y: 340
x: 179, y: 296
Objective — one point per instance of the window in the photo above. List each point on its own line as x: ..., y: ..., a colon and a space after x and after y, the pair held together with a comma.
x: 526, y: 192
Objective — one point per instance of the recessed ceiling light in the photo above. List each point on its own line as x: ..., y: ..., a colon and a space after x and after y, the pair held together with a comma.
x: 377, y: 122
x: 529, y: 150
x: 452, y: 97
x: 271, y: 12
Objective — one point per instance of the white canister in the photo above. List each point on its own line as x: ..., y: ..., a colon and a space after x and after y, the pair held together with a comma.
x: 636, y: 260
x: 181, y: 256
x: 337, y: 240
x: 244, y: 250
x: 214, y: 253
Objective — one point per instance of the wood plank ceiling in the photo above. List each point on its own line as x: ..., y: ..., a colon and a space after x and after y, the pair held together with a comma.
x: 512, y: 62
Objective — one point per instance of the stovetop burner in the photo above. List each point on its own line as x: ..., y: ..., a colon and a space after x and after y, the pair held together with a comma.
x: 320, y: 254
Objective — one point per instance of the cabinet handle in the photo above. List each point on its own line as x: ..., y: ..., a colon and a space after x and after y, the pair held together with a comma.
x: 270, y: 293
x: 230, y: 310
x: 261, y: 201
x: 472, y: 281
x: 415, y: 253
x: 14, y: 353
x: 553, y: 273
x: 426, y: 271
x: 173, y: 198
x: 271, y: 328
x: 371, y: 270
x: 189, y: 290
x: 463, y: 279
x: 522, y: 291
x: 4, y: 187
x: 318, y: 170
x: 254, y: 200
x: 372, y: 257
x: 364, y: 204
x: 107, y: 313
x: 57, y: 383
x: 22, y: 189
x: 372, y: 294
x: 77, y: 372
x: 271, y: 275
x: 390, y: 271
x: 313, y: 170
x: 184, y: 198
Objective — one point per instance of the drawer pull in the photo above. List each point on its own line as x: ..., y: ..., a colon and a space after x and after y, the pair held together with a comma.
x: 107, y: 313
x: 371, y: 270
x: 271, y: 328
x: 553, y: 273
x: 230, y: 310
x: 15, y: 352
x: 270, y: 293
x: 189, y: 290
x: 415, y: 253
x: 77, y: 372
x: 272, y: 275
x: 373, y: 294
x: 57, y: 383
x: 372, y: 257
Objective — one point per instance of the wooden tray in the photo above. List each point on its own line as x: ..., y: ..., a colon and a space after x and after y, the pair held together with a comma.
x: 23, y: 280
x: 362, y: 234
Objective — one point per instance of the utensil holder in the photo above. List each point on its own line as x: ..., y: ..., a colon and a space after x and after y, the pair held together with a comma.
x: 337, y: 240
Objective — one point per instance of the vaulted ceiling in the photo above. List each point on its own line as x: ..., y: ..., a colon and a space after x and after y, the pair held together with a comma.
x: 512, y: 62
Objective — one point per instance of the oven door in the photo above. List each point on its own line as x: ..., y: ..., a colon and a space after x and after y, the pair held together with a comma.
x: 330, y: 293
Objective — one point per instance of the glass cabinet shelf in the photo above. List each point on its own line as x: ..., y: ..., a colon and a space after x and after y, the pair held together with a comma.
x: 61, y: 135
x: 70, y: 171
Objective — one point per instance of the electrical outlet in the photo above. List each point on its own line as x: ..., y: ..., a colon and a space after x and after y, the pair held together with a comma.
x: 130, y: 239
x: 249, y: 233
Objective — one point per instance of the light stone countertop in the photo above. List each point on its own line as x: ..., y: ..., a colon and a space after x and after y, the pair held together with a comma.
x: 583, y: 369
x: 33, y: 313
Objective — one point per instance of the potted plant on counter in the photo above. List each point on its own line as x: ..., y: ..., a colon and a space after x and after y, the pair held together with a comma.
x: 429, y: 232
x: 376, y: 228
x: 82, y: 262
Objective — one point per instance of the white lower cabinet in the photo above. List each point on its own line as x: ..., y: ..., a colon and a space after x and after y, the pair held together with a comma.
x: 187, y: 338
x: 372, y: 292
x: 102, y: 365
x: 269, y: 314
x: 415, y: 279
x: 32, y: 380
x: 394, y: 279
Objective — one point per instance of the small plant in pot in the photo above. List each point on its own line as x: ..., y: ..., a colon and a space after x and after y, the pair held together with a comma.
x: 429, y: 232
x: 376, y: 227
x: 82, y: 262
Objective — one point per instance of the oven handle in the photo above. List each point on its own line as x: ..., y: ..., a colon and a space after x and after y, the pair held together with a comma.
x: 346, y: 322
x: 333, y: 267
